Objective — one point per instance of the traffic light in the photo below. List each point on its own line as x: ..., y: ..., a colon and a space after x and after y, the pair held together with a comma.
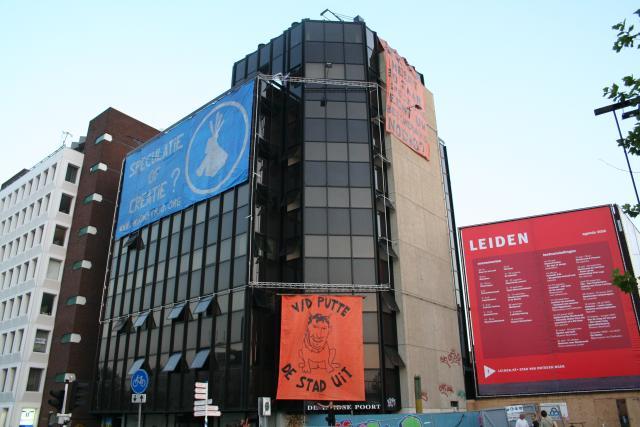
x: 78, y: 392
x: 57, y: 399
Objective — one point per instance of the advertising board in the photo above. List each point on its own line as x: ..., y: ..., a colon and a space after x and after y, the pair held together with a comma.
x: 201, y: 156
x: 545, y: 317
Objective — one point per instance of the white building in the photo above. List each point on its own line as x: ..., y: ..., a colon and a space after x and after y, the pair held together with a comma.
x: 36, y: 208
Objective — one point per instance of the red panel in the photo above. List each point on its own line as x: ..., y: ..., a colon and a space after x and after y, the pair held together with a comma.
x: 542, y: 304
x: 321, y: 348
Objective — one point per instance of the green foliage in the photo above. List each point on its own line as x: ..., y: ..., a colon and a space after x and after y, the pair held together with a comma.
x: 629, y: 90
x: 626, y: 282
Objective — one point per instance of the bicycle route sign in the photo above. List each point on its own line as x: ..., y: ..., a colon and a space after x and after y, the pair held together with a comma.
x: 139, y: 381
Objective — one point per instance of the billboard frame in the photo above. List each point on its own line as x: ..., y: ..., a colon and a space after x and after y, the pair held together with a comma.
x: 614, y: 210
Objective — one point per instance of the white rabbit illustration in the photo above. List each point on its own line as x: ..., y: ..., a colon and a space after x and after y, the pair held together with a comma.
x: 214, y: 155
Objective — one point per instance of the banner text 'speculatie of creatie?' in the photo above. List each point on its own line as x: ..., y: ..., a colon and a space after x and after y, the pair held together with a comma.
x: 196, y: 159
x: 545, y: 316
x: 321, y: 352
x: 405, y: 114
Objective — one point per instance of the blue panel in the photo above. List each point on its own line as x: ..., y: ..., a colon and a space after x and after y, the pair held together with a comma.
x: 198, y: 158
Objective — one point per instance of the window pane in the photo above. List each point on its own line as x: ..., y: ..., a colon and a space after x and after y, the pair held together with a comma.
x: 339, y: 221
x: 353, y: 33
x: 314, y: 109
x: 359, y: 175
x: 314, y: 51
x: 338, y: 197
x: 337, y: 174
x: 340, y: 271
x: 360, y: 198
x: 339, y: 246
x: 337, y: 152
x: 313, y: 31
x: 361, y: 222
x: 336, y: 130
x: 364, y: 272
x: 362, y: 247
x: 370, y: 327
x: 334, y: 53
x: 336, y: 71
x: 314, y: 130
x: 315, y: 173
x: 354, y: 72
x: 315, y: 246
x: 315, y: 221
x: 315, y: 270
x: 53, y: 269
x: 315, y: 196
x: 357, y: 110
x: 353, y: 53
x: 72, y: 173
x: 313, y: 70
x: 358, y: 153
x: 315, y: 150
x: 336, y: 110
x: 333, y: 32
x: 358, y: 131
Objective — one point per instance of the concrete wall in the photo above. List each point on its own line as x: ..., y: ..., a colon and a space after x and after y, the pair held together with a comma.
x: 586, y: 410
x: 427, y: 322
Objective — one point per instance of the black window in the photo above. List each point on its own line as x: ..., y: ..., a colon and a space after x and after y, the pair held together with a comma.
x: 334, y: 53
x: 34, y: 379
x: 353, y: 33
x: 315, y: 270
x: 333, y: 32
x: 65, y: 203
x: 46, y: 306
x: 72, y: 173
x: 353, y: 53
x: 314, y: 31
x: 314, y: 51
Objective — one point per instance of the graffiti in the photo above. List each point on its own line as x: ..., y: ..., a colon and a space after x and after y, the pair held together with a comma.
x: 452, y: 358
x: 424, y: 396
x: 391, y: 402
x: 407, y: 421
x: 461, y: 394
x: 445, y: 389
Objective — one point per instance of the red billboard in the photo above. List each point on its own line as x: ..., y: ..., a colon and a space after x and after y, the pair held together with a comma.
x: 544, y: 315
x: 321, y: 354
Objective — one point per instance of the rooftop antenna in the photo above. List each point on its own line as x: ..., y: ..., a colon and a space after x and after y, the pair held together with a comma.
x: 337, y: 16
x: 65, y: 135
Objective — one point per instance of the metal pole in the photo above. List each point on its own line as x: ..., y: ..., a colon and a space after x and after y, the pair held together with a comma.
x: 139, y: 414
x: 626, y: 156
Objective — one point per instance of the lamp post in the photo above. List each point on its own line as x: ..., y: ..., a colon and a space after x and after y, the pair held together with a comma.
x: 612, y: 109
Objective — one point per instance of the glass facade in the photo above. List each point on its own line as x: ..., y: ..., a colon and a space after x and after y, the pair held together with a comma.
x: 178, y: 300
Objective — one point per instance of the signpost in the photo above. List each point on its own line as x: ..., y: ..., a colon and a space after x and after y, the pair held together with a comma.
x: 139, y: 384
x: 202, y: 405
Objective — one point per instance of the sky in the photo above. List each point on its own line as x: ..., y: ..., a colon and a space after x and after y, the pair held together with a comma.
x: 515, y: 83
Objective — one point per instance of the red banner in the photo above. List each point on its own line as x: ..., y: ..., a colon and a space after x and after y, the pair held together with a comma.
x: 321, y: 348
x: 545, y: 317
x: 405, y: 113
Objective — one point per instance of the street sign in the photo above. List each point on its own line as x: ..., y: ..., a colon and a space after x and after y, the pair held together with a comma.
x: 207, y: 414
x: 208, y: 407
x: 199, y: 396
x: 139, y: 381
x: 138, y: 398
x: 202, y: 402
x: 202, y: 385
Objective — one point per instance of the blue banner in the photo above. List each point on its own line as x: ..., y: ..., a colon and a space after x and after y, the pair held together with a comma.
x: 198, y: 158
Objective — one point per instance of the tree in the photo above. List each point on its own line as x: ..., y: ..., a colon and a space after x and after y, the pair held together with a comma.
x: 628, y: 91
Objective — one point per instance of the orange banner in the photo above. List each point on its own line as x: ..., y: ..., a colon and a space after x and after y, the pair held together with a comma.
x: 321, y: 348
x: 405, y: 113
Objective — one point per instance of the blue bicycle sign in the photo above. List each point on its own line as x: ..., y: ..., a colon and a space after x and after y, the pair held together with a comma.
x: 139, y: 381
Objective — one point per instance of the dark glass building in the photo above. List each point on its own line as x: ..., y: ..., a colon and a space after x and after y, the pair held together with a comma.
x: 194, y: 296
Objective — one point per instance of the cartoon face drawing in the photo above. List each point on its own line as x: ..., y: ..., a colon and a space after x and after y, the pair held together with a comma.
x: 315, y: 352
